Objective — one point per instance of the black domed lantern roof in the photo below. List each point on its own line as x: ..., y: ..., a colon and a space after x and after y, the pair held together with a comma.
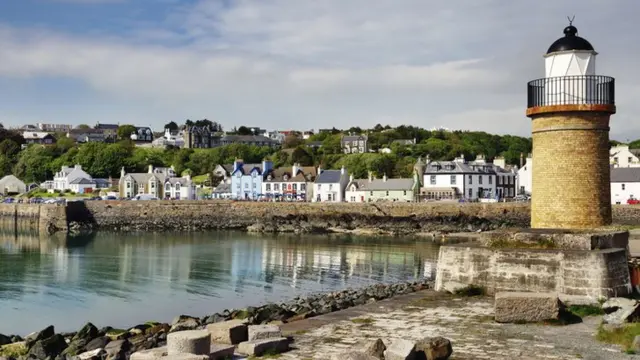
x: 570, y: 41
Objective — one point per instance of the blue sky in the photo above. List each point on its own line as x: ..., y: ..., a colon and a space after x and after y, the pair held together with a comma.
x: 302, y: 64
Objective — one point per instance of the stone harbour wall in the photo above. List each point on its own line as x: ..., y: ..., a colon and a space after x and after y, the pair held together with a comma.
x: 582, y: 275
x: 46, y: 218
x: 384, y: 218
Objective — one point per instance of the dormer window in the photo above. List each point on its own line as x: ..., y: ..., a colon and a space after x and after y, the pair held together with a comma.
x: 285, y: 177
x: 269, y: 177
x: 167, y: 187
x: 177, y: 186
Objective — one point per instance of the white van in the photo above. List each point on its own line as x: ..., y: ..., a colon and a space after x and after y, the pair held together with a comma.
x: 144, y: 197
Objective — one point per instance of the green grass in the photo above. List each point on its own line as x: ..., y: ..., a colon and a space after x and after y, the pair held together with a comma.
x: 14, y: 350
x: 470, y: 290
x: 585, y: 310
x: 200, y: 179
x: 362, y: 321
x: 622, y: 336
x: 241, y: 315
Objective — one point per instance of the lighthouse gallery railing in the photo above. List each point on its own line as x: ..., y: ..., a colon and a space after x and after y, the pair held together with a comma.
x: 571, y: 90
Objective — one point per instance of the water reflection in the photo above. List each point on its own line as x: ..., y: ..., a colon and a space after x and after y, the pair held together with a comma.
x: 124, y: 279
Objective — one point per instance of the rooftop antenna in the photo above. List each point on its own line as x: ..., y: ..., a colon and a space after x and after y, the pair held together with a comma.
x: 571, y: 20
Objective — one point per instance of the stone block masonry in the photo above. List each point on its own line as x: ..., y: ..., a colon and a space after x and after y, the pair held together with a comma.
x: 578, y: 275
x: 526, y: 307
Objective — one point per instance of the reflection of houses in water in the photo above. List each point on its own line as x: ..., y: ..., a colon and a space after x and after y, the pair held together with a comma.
x: 65, y: 268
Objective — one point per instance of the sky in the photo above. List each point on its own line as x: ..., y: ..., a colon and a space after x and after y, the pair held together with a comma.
x: 301, y: 64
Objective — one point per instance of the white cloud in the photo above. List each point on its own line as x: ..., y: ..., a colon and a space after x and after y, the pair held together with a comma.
x: 302, y: 63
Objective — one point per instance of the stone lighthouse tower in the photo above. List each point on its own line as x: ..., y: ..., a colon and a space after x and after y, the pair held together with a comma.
x: 570, y: 109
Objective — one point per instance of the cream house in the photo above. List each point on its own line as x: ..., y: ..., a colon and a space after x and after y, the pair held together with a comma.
x: 150, y: 183
x: 621, y: 157
x: 385, y: 189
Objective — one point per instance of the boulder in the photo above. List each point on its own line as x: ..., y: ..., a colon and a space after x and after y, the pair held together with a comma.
x: 4, y: 340
x: 437, y: 348
x: 621, y: 310
x: 260, y: 347
x: 374, y: 348
x: 221, y: 352
x: 75, y: 347
x: 48, y: 348
x: 150, y: 354
x: 97, y: 343
x: 117, y: 349
x: 228, y: 332
x: 40, y: 335
x: 526, y: 307
x: 196, y: 342
x: 88, y: 332
x: 96, y: 354
x: 400, y: 350
x: 212, y: 319
x: 259, y: 332
x: 184, y: 322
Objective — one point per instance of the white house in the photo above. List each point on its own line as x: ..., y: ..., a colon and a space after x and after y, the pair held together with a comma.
x: 621, y: 156
x: 295, y: 183
x: 180, y: 188
x: 525, y: 177
x: 330, y: 185
x: 355, y: 190
x: 625, y: 184
x: 246, y: 179
x: 82, y: 185
x: 170, y: 138
x: 62, y: 179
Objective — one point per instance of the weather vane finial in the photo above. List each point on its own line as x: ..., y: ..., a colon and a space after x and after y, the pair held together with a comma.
x: 571, y: 20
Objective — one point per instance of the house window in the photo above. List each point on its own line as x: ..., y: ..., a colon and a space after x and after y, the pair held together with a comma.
x: 153, y: 184
x: 353, y: 199
x: 490, y: 179
x: 284, y: 186
x: 177, y: 186
x: 623, y: 186
x: 303, y: 187
x: 328, y: 197
x: 432, y: 179
x: 246, y: 185
x: 371, y: 193
x: 453, y: 179
x: 254, y: 185
x: 128, y: 185
x: 630, y: 159
x: 295, y: 187
x: 470, y: 179
x: 615, y: 160
x: 319, y: 187
x: 470, y: 193
x: 479, y: 179
x: 387, y: 193
x: 167, y: 187
x: 268, y: 187
x: 276, y: 187
x: 405, y: 193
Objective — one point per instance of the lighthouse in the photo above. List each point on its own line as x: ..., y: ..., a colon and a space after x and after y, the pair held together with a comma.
x: 570, y: 110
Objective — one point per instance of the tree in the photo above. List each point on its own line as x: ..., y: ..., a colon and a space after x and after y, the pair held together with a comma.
x: 171, y: 125
x: 204, y: 123
x: 243, y: 130
x: 291, y: 141
x: 31, y: 165
x: 83, y: 126
x: 125, y: 131
x: 301, y: 156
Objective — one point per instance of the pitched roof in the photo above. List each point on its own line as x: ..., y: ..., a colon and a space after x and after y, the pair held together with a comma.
x: 35, y: 135
x: 222, y: 188
x: 625, y: 175
x: 353, y: 137
x: 329, y: 177
x: 381, y: 184
x: 107, y: 126
x: 359, y: 183
x: 81, y: 180
x: 10, y: 179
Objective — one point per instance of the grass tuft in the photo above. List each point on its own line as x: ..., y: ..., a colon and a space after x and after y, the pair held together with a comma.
x: 14, y: 350
x: 622, y: 336
x: 586, y: 310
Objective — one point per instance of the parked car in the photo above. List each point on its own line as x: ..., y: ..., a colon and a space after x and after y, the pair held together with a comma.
x: 144, y: 197
x: 633, y: 201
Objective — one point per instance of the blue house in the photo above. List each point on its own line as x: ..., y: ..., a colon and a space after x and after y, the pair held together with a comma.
x: 246, y: 179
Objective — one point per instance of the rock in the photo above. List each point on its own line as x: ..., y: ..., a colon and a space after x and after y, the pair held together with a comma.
x: 117, y: 334
x: 400, y: 350
x: 196, y: 342
x: 354, y: 355
x: 4, y: 340
x: 184, y: 322
x: 157, y: 329
x: 228, y: 332
x: 212, y: 319
x: 526, y: 307
x: 635, y: 346
x: 259, y: 332
x: 97, y: 343
x: 620, y: 310
x: 141, y: 329
x: 374, y: 348
x: 88, y: 332
x: 41, y: 335
x: 221, y: 352
x: 6, y: 357
x: 140, y: 342
x: 95, y: 354
x: 49, y: 347
x: 117, y: 349
x: 75, y: 347
x: 437, y: 348
x: 150, y: 354
x: 259, y: 347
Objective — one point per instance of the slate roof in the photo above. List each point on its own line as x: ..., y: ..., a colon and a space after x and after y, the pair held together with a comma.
x: 625, y: 175
x: 380, y: 184
x: 448, y: 167
x: 222, y: 188
x: 107, y: 126
x: 82, y: 181
x: 329, y: 177
x: 144, y: 177
x: 175, y: 180
x: 354, y: 137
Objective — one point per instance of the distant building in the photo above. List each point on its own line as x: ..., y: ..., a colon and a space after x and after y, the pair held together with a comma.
x: 257, y: 140
x: 330, y: 185
x: 621, y: 156
x: 525, y: 176
x: 108, y: 129
x: 355, y: 144
x: 201, y: 137
x: 89, y: 135
x: 63, y: 179
x: 294, y: 183
x: 246, y: 179
x: 149, y: 183
x: 54, y: 127
x: 374, y: 190
x: 42, y: 138
x: 625, y: 184
x: 143, y: 134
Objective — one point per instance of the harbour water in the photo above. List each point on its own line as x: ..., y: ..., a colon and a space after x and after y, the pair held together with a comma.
x: 122, y: 280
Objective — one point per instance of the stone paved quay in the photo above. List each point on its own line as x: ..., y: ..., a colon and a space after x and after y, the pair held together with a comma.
x: 467, y: 322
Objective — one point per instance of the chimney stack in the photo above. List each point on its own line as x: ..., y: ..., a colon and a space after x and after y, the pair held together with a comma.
x: 521, y: 159
x: 384, y: 177
x: 370, y: 176
x: 150, y: 169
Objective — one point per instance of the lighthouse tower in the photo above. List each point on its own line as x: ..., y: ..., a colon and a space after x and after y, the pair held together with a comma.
x: 570, y: 109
